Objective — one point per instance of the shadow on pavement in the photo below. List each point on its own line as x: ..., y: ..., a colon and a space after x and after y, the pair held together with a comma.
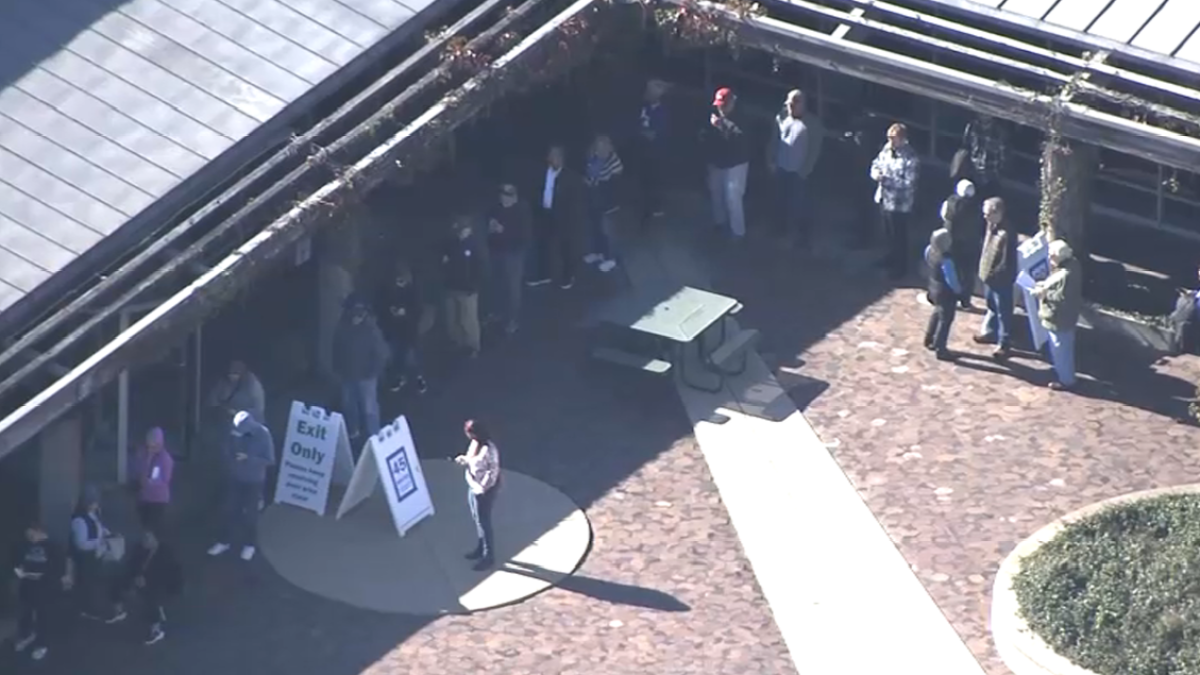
x: 608, y: 591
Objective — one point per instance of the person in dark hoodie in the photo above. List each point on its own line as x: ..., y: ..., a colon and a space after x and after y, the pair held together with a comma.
x: 153, y: 575
x: 726, y: 143
x: 652, y: 147
x: 961, y: 215
x: 510, y: 228
x: 360, y: 358
x: 250, y: 454
x: 399, y: 310
x: 42, y: 569
x: 89, y: 543
x: 462, y: 276
x: 998, y: 272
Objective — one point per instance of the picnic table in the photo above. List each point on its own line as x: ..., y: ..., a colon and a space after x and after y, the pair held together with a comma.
x: 676, y: 320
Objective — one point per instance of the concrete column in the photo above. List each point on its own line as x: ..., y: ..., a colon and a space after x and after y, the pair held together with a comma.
x: 1067, y: 175
x: 60, y: 472
x: 338, y: 254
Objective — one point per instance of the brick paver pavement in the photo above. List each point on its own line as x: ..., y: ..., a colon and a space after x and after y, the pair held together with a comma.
x: 960, y: 461
x: 665, y: 588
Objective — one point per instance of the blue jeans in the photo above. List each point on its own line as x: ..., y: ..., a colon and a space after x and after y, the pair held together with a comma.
x: 360, y: 406
x: 510, y: 269
x: 600, y: 228
x: 241, y: 513
x: 1062, y: 355
x: 792, y: 200
x: 998, y: 320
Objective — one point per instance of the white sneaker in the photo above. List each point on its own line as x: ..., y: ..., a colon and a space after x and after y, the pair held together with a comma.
x: 592, y: 258
x: 156, y: 635
x: 218, y: 549
x: 247, y: 553
x: 39, y: 654
x: 23, y: 644
x: 608, y: 265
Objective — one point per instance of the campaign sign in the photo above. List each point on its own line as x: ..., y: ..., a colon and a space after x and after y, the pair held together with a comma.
x: 316, y: 453
x: 1033, y: 265
x: 390, y: 458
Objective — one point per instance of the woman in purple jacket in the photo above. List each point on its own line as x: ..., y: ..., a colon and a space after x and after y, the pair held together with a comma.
x: 153, y: 467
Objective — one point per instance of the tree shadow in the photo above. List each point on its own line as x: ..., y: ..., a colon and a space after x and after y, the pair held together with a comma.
x: 606, y: 591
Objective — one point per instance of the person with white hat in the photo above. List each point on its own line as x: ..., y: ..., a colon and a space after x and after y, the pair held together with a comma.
x: 1060, y: 297
x: 249, y: 455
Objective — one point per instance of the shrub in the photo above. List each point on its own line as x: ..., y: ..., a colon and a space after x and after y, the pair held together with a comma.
x: 1118, y: 592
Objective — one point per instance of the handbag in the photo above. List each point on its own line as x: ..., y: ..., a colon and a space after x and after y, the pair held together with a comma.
x: 112, y: 548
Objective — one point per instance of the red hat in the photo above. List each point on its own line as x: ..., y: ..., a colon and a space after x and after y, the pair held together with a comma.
x: 723, y: 96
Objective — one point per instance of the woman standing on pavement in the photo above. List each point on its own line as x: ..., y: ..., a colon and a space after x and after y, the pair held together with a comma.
x: 153, y: 467
x: 482, y: 462
x: 88, y: 548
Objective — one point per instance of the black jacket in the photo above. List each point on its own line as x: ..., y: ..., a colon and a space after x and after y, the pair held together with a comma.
x: 462, y: 266
x: 566, y: 209
x: 399, y: 310
x: 518, y: 226
x: 939, y: 291
x: 45, y: 561
x: 727, y: 143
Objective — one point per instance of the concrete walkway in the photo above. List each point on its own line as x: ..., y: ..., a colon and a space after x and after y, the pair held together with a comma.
x: 842, y: 595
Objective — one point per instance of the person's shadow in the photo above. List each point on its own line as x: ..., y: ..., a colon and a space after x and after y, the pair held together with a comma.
x: 608, y: 591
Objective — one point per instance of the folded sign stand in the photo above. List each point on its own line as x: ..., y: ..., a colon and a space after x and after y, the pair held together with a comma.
x: 390, y: 455
x: 316, y: 453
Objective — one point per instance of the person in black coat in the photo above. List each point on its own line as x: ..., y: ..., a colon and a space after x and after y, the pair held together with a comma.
x: 153, y: 575
x: 962, y: 214
x: 558, y: 211
x: 462, y: 277
x: 43, y: 570
x: 510, y: 229
x: 399, y: 306
x: 944, y: 292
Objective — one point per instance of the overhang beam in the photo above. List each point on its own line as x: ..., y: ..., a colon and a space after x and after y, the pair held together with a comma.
x: 850, y: 31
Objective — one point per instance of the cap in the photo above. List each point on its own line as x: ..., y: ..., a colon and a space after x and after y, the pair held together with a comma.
x: 723, y: 96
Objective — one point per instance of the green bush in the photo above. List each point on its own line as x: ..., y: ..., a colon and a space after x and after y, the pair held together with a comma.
x: 1118, y: 592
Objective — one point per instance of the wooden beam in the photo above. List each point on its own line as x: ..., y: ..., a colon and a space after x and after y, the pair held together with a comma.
x: 846, y: 31
x: 189, y: 306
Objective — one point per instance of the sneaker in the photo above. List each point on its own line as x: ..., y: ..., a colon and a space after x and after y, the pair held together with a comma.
x: 944, y: 355
x: 608, y: 265
x: 399, y: 384
x: 592, y: 258
x: 39, y: 653
x: 156, y: 635
x: 537, y: 282
x: 485, y: 563
x: 1001, y: 353
x: 24, y: 643
x: 248, y: 553
x: 567, y: 285
x: 984, y: 339
x: 117, y: 617
x: 422, y: 385
x: 218, y: 549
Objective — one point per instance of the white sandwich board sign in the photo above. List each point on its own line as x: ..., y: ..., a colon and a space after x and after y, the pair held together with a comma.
x: 390, y: 457
x: 1033, y: 265
x: 316, y: 454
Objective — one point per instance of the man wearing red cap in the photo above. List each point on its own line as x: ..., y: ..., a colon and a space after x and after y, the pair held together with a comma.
x: 727, y: 149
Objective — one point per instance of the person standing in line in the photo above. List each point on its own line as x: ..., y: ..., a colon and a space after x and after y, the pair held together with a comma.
x: 895, y: 172
x: 986, y: 141
x: 603, y: 178
x: 41, y: 569
x: 555, y: 219
x: 462, y: 277
x: 962, y: 216
x: 240, y: 389
x: 510, y: 228
x: 88, y: 546
x: 152, y: 573
x: 1060, y: 298
x: 787, y: 160
x: 652, y: 138
x: 482, y: 463
x: 998, y: 272
x: 251, y: 453
x: 399, y: 311
x: 360, y: 357
x: 726, y: 143
x: 153, y: 469
x: 944, y: 291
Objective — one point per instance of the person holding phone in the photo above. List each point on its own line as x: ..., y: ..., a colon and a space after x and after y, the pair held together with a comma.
x: 482, y: 464
x: 42, y: 569
x: 250, y: 454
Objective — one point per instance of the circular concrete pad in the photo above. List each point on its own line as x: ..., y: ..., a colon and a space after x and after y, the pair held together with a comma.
x: 541, y: 536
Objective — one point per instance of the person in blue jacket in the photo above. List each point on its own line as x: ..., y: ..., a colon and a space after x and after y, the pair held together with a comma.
x: 248, y: 456
x: 945, y: 290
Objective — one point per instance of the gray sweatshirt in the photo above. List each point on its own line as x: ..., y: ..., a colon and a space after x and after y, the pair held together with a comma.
x: 253, y: 440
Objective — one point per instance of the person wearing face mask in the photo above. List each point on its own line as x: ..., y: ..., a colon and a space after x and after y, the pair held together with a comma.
x: 249, y: 456
x: 895, y: 171
x: 1060, y: 297
x: 399, y: 309
x: 510, y: 227
x: 153, y: 469
x: 462, y: 276
x: 360, y: 358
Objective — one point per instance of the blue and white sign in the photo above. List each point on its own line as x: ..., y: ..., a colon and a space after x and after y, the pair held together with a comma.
x: 1033, y: 265
x: 315, y: 454
x: 391, y: 455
